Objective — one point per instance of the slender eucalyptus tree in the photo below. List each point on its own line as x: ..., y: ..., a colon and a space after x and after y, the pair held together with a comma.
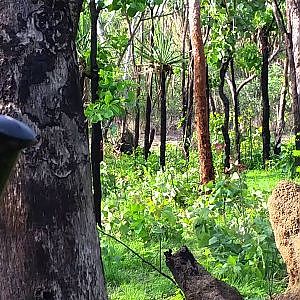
x: 49, y: 247
x: 200, y: 97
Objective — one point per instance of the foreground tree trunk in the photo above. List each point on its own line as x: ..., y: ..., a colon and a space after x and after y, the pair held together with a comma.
x: 201, y: 103
x: 48, y: 241
x: 97, y: 136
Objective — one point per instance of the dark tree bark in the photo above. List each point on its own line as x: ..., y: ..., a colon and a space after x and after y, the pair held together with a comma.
x: 184, y: 81
x: 225, y: 100
x: 281, y: 111
x: 149, y: 95
x: 200, y: 99
x: 195, y: 282
x: 236, y: 113
x: 48, y: 240
x: 149, y: 85
x: 163, y: 114
x: 137, y: 114
x: 189, y: 113
x: 264, y: 85
x: 97, y: 136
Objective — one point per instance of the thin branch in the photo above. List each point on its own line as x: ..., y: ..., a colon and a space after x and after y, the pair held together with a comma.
x: 206, y: 35
x: 158, y: 16
x: 131, y: 38
x: 279, y: 16
x: 139, y: 256
x: 246, y: 81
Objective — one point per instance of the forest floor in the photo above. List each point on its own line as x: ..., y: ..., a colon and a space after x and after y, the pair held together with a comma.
x: 128, y: 278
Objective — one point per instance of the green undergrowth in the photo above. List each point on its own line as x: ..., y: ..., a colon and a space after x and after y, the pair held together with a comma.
x: 224, y: 224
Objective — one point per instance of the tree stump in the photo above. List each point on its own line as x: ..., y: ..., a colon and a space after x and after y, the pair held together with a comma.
x: 195, y: 281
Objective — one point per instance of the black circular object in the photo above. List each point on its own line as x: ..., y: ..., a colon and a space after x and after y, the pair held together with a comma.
x: 15, y: 134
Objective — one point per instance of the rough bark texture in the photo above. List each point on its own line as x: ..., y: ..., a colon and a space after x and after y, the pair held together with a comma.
x: 48, y: 241
x: 225, y: 100
x: 200, y: 101
x: 264, y: 85
x: 97, y: 136
x: 195, y: 281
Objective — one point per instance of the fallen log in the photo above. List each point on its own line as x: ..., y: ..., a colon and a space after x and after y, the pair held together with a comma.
x: 193, y: 279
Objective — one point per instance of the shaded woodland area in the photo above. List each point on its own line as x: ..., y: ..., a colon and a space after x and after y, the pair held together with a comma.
x: 160, y: 124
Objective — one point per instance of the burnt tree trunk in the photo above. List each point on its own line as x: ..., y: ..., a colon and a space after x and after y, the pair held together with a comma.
x: 147, y: 144
x: 49, y: 247
x: 200, y: 99
x: 137, y: 114
x: 264, y: 85
x: 149, y: 84
x: 189, y: 109
x: 236, y: 113
x: 195, y: 282
x: 281, y: 111
x: 163, y: 115
x: 97, y: 136
x: 225, y: 100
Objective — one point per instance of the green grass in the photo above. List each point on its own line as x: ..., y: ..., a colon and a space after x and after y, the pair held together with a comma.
x: 265, y: 180
x: 128, y: 278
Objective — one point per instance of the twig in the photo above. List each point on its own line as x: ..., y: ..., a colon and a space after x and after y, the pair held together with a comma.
x: 139, y: 256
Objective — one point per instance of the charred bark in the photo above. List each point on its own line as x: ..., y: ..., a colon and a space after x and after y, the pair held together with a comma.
x: 236, y: 113
x: 48, y: 241
x: 149, y: 94
x: 281, y: 111
x: 163, y: 115
x: 225, y: 100
x: 195, y: 282
x: 137, y: 114
x: 264, y: 85
x: 148, y: 115
x: 200, y: 99
x: 97, y: 136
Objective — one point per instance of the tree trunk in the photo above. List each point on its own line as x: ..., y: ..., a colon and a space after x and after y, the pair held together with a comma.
x: 163, y: 115
x: 149, y: 95
x: 97, y: 137
x: 149, y: 84
x: 48, y: 241
x: 264, y: 85
x: 201, y: 103
x: 225, y: 100
x: 236, y: 113
x: 293, y: 39
x: 137, y: 114
x: 281, y: 111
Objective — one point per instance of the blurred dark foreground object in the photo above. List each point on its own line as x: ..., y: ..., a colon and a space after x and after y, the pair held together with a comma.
x: 14, y: 136
x: 195, y: 282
